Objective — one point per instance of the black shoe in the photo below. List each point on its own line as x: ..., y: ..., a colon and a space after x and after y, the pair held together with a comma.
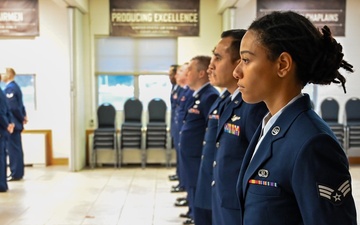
x: 185, y: 215
x: 181, y: 199
x: 173, y: 177
x: 177, y: 189
x: 188, y: 221
x: 181, y: 203
x: 10, y: 178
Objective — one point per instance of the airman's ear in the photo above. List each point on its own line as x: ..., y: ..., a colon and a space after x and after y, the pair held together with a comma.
x: 285, y: 63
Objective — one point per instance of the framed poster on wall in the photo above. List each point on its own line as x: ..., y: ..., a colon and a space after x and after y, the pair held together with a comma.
x: 158, y: 18
x: 320, y: 12
x: 19, y: 18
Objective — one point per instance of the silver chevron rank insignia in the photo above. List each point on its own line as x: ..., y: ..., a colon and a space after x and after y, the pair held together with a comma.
x: 335, y: 196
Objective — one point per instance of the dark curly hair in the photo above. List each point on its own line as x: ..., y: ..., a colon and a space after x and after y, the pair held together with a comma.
x: 317, y: 55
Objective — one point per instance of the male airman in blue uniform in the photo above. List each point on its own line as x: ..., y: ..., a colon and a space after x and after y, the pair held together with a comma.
x: 6, y: 128
x: 237, y: 123
x: 193, y: 130
x: 173, y: 102
x: 14, y: 147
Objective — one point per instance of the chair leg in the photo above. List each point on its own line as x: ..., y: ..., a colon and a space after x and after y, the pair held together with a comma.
x: 143, y: 158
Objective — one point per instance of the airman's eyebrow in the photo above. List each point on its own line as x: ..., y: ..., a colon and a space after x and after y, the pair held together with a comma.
x: 246, y: 51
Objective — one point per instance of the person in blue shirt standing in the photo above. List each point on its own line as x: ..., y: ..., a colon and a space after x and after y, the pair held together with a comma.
x: 193, y: 129
x: 294, y: 170
x: 6, y: 128
x: 14, y: 99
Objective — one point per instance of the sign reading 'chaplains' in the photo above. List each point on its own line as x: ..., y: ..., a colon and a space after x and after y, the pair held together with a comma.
x: 320, y: 12
x: 157, y: 18
x: 19, y: 18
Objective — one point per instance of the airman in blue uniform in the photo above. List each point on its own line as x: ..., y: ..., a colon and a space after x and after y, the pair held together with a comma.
x: 173, y: 102
x: 14, y: 147
x: 182, y: 104
x: 6, y: 128
x: 203, y: 189
x: 295, y: 170
x: 236, y: 124
x: 193, y: 130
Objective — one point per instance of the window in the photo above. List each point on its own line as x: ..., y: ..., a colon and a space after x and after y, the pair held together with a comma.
x: 134, y: 67
x: 115, y: 90
x: 27, y: 85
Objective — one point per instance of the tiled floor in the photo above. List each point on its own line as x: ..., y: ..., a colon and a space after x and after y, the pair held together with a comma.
x: 102, y: 196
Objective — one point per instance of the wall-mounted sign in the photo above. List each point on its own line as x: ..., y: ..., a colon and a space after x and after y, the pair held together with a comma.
x: 157, y: 18
x: 320, y: 12
x: 19, y: 18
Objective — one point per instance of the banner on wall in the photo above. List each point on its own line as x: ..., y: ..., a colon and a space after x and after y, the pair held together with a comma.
x: 19, y: 18
x: 157, y: 18
x: 320, y: 12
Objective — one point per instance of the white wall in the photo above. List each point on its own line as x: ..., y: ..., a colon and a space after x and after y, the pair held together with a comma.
x: 47, y: 57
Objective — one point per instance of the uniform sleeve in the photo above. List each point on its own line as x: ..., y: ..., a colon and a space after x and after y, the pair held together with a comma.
x: 14, y: 97
x: 322, y: 183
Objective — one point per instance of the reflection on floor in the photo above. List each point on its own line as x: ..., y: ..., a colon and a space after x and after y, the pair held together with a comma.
x: 102, y: 196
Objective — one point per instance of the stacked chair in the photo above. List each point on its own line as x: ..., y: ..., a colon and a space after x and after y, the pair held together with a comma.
x: 352, y: 113
x: 131, y: 128
x: 156, y: 128
x: 105, y: 133
x: 330, y: 114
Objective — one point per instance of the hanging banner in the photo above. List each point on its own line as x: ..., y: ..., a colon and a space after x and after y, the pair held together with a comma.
x: 320, y: 12
x: 157, y: 18
x: 19, y: 18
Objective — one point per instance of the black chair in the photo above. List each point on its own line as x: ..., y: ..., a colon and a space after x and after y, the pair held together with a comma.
x: 352, y: 113
x: 330, y: 114
x: 156, y: 128
x: 131, y: 128
x: 105, y: 133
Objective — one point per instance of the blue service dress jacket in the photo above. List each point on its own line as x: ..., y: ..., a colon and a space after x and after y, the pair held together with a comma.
x: 174, y: 98
x: 192, y: 133
x: 5, y: 120
x: 203, y: 187
x: 237, y: 125
x: 182, y: 104
x: 299, y: 174
x: 15, y: 102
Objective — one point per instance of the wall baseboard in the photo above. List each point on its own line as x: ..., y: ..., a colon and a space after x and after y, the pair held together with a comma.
x: 354, y: 160
x: 59, y: 161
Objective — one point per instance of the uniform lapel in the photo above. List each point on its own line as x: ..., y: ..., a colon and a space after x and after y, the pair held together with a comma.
x: 228, y: 112
x: 277, y: 131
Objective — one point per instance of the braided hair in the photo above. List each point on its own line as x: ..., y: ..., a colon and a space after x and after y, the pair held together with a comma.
x: 317, y: 55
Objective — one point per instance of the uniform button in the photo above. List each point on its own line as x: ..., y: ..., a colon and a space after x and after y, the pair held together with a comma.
x: 204, y: 142
x: 213, y: 183
x: 206, y: 129
x: 214, y: 163
x: 202, y: 156
x: 217, y: 144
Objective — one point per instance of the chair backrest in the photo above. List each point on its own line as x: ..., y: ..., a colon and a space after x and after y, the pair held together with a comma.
x: 330, y: 110
x: 106, y: 114
x: 352, y: 110
x: 157, y: 110
x: 133, y: 110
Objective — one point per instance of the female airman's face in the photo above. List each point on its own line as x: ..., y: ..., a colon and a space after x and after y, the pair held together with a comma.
x: 256, y: 74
